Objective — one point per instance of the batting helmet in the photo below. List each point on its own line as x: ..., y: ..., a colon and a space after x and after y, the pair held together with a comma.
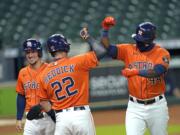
x: 145, y: 32
x: 57, y: 42
x: 32, y: 44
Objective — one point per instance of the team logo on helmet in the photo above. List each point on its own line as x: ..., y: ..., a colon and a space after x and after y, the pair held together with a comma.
x: 29, y: 44
x: 32, y: 44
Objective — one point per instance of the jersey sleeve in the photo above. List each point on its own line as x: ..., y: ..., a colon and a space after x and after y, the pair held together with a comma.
x: 42, y: 93
x: 163, y: 58
x: 19, y: 84
x: 88, y: 60
x: 121, y: 51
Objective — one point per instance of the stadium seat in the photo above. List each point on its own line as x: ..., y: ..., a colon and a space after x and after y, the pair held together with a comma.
x: 22, y: 19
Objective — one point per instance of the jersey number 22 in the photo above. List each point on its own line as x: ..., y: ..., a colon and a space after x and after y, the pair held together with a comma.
x: 59, y: 89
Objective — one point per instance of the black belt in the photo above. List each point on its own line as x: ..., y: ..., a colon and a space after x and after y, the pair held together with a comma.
x: 146, y: 102
x: 76, y: 108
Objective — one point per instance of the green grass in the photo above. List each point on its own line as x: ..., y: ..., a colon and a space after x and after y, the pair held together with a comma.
x: 174, y: 129
x: 120, y: 130
x: 7, y: 101
x: 8, y: 108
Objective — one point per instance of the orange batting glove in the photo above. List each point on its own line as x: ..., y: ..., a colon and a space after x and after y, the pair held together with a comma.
x: 127, y: 72
x: 108, y: 22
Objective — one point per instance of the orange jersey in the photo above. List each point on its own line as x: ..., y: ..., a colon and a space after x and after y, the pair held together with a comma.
x: 65, y: 82
x: 28, y: 85
x: 142, y: 87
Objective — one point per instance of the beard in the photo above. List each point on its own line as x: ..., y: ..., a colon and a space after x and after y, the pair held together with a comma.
x: 144, y: 46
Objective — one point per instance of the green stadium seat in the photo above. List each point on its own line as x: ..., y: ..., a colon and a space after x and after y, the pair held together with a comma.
x: 22, y: 19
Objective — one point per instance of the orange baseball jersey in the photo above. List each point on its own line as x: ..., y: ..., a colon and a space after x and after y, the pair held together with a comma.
x: 28, y: 84
x: 66, y: 81
x: 141, y: 87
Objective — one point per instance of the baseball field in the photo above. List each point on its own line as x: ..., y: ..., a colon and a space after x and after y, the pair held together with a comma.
x: 110, y: 122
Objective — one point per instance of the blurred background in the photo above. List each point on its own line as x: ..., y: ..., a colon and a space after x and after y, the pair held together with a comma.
x: 22, y: 19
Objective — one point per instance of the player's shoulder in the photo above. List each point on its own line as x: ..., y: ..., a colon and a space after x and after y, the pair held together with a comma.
x: 159, y: 48
x: 46, y: 69
x: 44, y: 66
x: 23, y: 70
x: 83, y: 55
x: 50, y: 65
x: 126, y: 45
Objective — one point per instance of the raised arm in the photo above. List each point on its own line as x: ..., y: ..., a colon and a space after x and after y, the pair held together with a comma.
x: 99, y: 50
x: 107, y: 23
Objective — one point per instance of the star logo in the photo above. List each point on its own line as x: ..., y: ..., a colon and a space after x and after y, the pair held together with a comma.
x: 29, y: 44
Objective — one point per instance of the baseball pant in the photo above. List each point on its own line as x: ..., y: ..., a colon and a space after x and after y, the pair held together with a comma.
x: 154, y: 117
x: 43, y: 126
x: 75, y: 122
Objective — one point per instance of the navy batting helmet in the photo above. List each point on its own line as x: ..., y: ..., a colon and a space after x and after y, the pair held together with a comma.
x: 145, y: 32
x: 32, y: 44
x: 57, y: 42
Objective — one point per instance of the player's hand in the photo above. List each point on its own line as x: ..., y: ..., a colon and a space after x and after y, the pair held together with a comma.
x: 19, y: 125
x: 84, y: 33
x: 108, y: 22
x: 127, y: 72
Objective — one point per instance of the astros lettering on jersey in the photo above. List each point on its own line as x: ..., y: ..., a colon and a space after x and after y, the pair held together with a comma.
x: 141, y: 87
x: 28, y: 85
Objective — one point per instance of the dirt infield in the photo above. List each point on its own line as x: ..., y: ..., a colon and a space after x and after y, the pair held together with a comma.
x: 106, y: 118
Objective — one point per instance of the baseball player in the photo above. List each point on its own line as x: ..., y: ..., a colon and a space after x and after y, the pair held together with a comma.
x: 27, y: 88
x: 145, y: 65
x: 65, y: 82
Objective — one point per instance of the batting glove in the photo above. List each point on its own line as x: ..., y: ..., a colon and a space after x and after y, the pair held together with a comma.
x: 127, y: 72
x: 84, y: 33
x: 108, y: 22
x: 35, y: 113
